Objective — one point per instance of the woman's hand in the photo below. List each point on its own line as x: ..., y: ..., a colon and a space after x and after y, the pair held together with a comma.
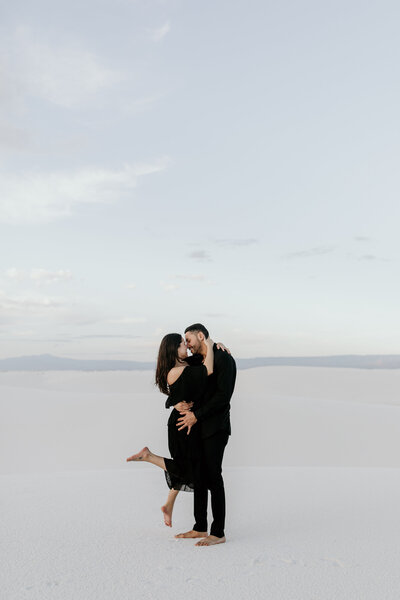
x: 221, y: 346
x: 180, y: 406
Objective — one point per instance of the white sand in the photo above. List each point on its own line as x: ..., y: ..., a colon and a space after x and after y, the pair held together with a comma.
x: 294, y: 533
x: 290, y: 415
x: 78, y: 523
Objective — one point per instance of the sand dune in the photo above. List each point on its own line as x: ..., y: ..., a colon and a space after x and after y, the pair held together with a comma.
x: 310, y: 516
x: 281, y: 416
x: 294, y: 533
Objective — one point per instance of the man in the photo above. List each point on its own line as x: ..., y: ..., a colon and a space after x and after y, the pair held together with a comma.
x: 213, y: 419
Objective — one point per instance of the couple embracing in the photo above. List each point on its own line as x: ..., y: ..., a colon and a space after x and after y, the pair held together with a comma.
x: 199, y: 389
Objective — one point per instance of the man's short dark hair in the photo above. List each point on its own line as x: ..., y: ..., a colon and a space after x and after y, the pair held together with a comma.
x: 198, y: 327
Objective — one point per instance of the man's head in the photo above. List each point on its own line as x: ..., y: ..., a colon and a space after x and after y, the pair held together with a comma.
x: 195, y: 336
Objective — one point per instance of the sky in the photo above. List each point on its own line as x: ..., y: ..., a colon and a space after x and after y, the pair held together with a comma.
x: 164, y: 162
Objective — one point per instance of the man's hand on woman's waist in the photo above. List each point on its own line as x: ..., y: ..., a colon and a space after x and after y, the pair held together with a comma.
x: 183, y: 406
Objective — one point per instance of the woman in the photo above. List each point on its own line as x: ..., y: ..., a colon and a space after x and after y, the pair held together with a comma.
x: 185, y: 385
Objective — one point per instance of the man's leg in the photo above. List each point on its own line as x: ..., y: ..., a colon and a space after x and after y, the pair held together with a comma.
x: 213, y: 453
x: 200, y: 500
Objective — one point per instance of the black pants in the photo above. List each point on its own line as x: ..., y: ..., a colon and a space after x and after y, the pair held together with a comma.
x: 209, y: 477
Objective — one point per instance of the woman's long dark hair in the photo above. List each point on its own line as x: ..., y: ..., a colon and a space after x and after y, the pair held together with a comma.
x: 167, y: 355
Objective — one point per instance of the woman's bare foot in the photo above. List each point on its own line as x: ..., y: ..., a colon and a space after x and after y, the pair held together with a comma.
x: 210, y: 540
x: 192, y: 534
x: 142, y: 455
x: 167, y: 512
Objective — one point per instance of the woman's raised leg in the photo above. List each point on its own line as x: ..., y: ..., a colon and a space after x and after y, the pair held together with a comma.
x: 145, y: 455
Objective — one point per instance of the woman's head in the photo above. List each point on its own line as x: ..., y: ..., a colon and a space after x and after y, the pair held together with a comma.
x: 172, y: 348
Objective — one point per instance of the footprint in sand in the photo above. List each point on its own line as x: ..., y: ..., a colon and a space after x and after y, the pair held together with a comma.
x: 289, y: 561
x: 335, y: 562
x: 170, y: 568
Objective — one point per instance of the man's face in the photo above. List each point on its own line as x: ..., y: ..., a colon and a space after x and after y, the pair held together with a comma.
x: 193, y: 341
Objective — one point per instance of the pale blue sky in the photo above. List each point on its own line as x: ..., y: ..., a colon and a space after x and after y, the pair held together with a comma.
x: 164, y: 162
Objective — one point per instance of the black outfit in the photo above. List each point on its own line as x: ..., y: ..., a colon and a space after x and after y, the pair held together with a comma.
x: 184, y: 449
x: 213, y: 416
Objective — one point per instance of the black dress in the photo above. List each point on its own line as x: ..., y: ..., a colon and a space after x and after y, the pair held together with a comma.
x: 184, y: 449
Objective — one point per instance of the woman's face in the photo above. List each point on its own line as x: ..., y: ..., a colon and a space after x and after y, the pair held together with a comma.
x: 182, y: 350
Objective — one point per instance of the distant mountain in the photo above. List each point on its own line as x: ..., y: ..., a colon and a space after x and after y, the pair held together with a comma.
x: 350, y: 361
x: 47, y: 362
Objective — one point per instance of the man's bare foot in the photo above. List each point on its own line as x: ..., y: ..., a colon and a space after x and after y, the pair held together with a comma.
x: 210, y: 540
x: 142, y: 455
x: 191, y: 534
x: 167, y: 512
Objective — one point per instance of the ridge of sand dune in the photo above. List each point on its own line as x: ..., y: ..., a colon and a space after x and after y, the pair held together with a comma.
x: 291, y: 416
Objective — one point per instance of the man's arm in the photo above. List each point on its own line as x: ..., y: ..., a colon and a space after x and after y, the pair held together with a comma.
x: 225, y: 373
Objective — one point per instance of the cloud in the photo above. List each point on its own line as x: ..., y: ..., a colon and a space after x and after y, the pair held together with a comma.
x: 23, y: 333
x: 191, y: 277
x: 195, y: 278
x: 15, y: 274
x: 131, y: 106
x: 362, y: 238
x: 39, y: 276
x: 10, y: 89
x: 158, y: 34
x: 37, y: 310
x: 316, y: 251
x: 42, y: 276
x: 28, y: 304
x: 131, y: 286
x: 199, y: 255
x: 67, y: 75
x: 12, y: 137
x: 169, y: 287
x: 237, y: 242
x: 371, y: 257
x: 127, y: 320
x: 15, y: 338
x: 106, y: 335
x: 42, y: 197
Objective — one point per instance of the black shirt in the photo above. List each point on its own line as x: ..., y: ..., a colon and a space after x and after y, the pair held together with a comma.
x: 213, y: 413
